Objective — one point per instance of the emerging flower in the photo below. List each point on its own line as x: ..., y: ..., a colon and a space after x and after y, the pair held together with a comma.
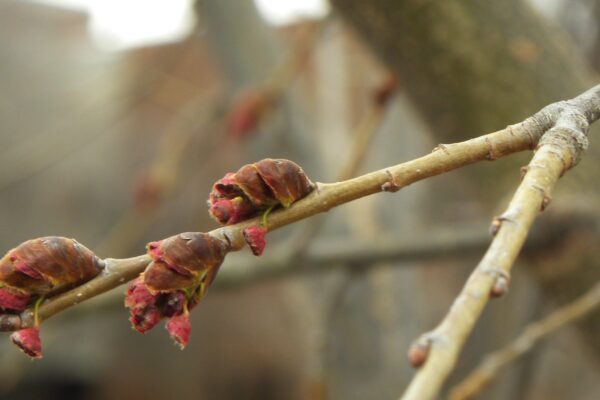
x: 247, y: 110
x: 38, y: 268
x: 255, y: 237
x: 28, y: 340
x: 180, y: 328
x: 48, y: 265
x: 182, y: 268
x: 257, y: 187
x: 12, y: 300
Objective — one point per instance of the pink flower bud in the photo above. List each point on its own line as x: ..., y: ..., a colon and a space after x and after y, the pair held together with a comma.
x: 12, y: 300
x: 231, y: 211
x: 142, y: 304
x: 246, y: 112
x: 226, y: 187
x: 179, y: 328
x: 255, y: 237
x: 28, y: 340
x: 138, y: 296
x: 144, y: 319
x: 148, y: 191
x: 25, y: 269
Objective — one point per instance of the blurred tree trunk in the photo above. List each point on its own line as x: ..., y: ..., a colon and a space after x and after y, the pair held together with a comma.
x: 472, y: 67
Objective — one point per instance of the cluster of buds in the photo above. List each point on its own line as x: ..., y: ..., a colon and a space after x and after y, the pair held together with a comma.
x: 182, y: 268
x: 247, y: 110
x: 37, y: 269
x: 257, y: 187
x: 254, y: 189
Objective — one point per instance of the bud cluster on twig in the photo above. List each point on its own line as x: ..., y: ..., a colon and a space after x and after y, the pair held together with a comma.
x: 39, y: 268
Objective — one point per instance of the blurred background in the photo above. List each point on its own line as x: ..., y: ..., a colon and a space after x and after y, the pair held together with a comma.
x: 117, y: 116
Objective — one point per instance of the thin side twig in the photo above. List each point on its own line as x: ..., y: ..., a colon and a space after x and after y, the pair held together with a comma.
x: 491, y: 365
x: 362, y: 138
x: 558, y: 150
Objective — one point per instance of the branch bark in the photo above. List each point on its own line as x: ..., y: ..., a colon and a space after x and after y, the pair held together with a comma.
x: 558, y: 150
x: 471, y: 65
x: 491, y: 365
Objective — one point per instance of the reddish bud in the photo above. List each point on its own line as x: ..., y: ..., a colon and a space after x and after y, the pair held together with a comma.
x: 226, y: 187
x: 159, y: 277
x: 255, y: 237
x: 500, y: 286
x: 255, y: 188
x: 148, y: 191
x: 251, y: 184
x: 12, y: 300
x: 154, y: 250
x: 28, y: 340
x: 142, y: 320
x: 25, y: 269
x: 385, y: 90
x: 148, y: 309
x: 246, y: 112
x: 232, y: 211
x: 179, y: 327
x: 142, y: 304
x: 138, y: 296
x: 182, y: 267
x: 183, y: 261
x: 286, y: 179
x: 419, y: 352
x: 48, y: 265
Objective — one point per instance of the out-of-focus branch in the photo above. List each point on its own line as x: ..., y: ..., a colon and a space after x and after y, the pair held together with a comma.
x: 557, y: 151
x: 491, y: 365
x: 162, y: 175
x: 251, y: 105
x: 362, y: 138
x: 444, y: 158
x: 46, y: 148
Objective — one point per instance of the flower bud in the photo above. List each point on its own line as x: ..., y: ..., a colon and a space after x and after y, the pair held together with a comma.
x: 385, y: 90
x: 180, y: 328
x: 47, y: 265
x: 247, y: 110
x: 256, y: 187
x: 255, y: 237
x: 183, y: 261
x: 148, y: 191
x: 28, y: 340
x: 12, y: 300
x: 182, y: 268
x: 142, y: 304
x: 232, y: 211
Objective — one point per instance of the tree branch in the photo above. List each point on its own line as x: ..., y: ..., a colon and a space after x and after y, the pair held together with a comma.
x: 491, y: 365
x: 444, y: 158
x: 558, y: 150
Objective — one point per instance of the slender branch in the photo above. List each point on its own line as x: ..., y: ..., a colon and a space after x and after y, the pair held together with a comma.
x: 444, y: 158
x: 491, y: 365
x: 362, y: 138
x: 42, y: 151
x: 356, y: 255
x: 558, y: 150
x: 279, y: 80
